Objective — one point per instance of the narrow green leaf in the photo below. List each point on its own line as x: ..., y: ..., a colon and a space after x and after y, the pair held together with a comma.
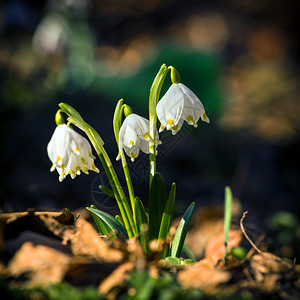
x: 107, y: 191
x: 182, y: 229
x: 167, y: 216
x: 102, y: 227
x: 118, y: 218
x: 111, y: 223
x: 157, y: 203
x: 227, y: 217
x: 189, y: 253
x: 166, y: 220
x: 141, y: 222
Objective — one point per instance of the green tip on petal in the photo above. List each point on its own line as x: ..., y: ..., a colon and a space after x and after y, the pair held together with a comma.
x: 59, y: 119
x: 175, y: 78
x: 127, y: 110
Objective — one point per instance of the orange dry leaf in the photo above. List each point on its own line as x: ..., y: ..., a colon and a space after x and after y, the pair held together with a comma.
x: 215, y: 248
x: 86, y: 241
x: 202, y: 275
x: 116, y: 278
x: 42, y: 265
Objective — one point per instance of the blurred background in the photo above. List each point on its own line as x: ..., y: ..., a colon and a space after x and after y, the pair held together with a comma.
x: 240, y: 58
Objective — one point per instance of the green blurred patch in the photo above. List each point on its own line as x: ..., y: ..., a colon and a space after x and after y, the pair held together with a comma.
x: 58, y: 291
x: 286, y: 227
x: 199, y: 71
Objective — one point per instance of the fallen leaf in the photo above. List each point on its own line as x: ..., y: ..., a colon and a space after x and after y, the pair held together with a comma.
x: 116, y: 278
x: 40, y: 264
x: 202, y: 275
x: 86, y: 241
x: 266, y: 263
x: 215, y: 248
x: 206, y: 223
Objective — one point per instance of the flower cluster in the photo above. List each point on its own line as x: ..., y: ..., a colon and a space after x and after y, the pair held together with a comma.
x: 179, y: 104
x: 70, y: 153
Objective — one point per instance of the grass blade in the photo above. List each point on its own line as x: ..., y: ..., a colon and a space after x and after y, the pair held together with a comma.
x: 227, y: 217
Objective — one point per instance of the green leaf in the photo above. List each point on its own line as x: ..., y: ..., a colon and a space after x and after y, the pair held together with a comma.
x: 189, y: 253
x: 141, y: 220
x: 167, y: 216
x: 118, y: 218
x: 102, y: 227
x: 157, y: 203
x: 111, y: 223
x: 107, y: 191
x: 227, y: 217
x: 182, y: 229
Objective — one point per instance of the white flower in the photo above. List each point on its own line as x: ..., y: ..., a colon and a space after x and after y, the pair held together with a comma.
x: 134, y: 136
x: 177, y: 105
x: 70, y: 153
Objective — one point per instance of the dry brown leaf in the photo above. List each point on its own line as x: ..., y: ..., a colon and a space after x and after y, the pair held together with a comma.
x: 215, y: 248
x: 86, y: 241
x: 51, y: 224
x: 42, y: 265
x: 136, y: 254
x: 206, y: 223
x: 202, y: 275
x: 116, y: 278
x: 267, y: 263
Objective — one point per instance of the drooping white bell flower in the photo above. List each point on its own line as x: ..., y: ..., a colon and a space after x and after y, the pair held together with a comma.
x: 177, y: 105
x: 70, y: 153
x: 134, y: 136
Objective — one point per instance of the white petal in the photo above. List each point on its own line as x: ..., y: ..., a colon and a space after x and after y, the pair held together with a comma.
x: 170, y: 107
x: 134, y: 133
x: 70, y: 152
x: 130, y: 137
x: 137, y: 123
x: 193, y: 108
x: 132, y: 152
x: 144, y: 146
x: 175, y: 129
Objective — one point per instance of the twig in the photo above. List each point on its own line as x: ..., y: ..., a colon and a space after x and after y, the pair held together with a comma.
x: 257, y: 243
x: 245, y: 234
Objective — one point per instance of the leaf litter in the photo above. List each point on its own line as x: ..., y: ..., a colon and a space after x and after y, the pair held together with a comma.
x: 46, y: 248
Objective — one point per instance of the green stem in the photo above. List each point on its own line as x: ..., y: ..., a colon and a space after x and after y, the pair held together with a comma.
x: 115, y: 185
x: 153, y: 100
x: 117, y: 120
x: 128, y: 181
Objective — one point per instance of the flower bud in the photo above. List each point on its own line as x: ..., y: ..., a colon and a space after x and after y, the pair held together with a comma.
x: 175, y: 78
x: 127, y: 110
x: 59, y: 119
